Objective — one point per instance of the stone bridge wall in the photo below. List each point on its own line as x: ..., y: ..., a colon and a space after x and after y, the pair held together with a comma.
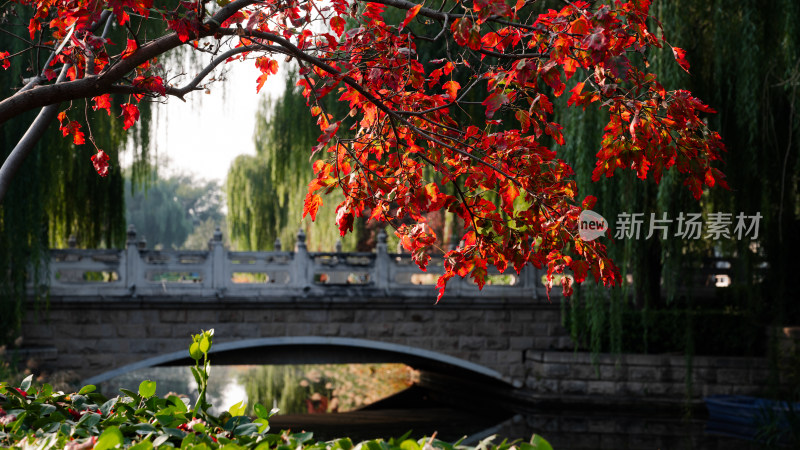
x: 94, y: 337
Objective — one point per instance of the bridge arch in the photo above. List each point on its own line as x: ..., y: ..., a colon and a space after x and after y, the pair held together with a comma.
x: 321, y: 350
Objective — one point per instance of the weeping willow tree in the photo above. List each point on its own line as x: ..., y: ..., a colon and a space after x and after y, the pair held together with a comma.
x: 265, y: 191
x: 56, y: 193
x: 745, y: 63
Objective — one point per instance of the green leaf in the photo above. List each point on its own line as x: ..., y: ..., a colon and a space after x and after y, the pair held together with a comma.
x: 246, y: 429
x: 147, y: 388
x: 539, y: 443
x: 26, y: 383
x: 197, y: 377
x: 404, y: 436
x: 303, y: 437
x: 87, y: 389
x: 232, y: 447
x: 110, y: 438
x: 188, y: 440
x: 160, y: 440
x: 179, y: 404
x: 194, y: 351
x: 344, y: 443
x: 105, y: 408
x: 46, y: 391
x: 238, y: 409
x: 46, y: 409
x: 263, y: 425
x: 40, y: 423
x: 175, y: 432
x: 408, y: 444
x: 165, y: 419
x: 261, y: 411
x: 144, y: 428
x: 521, y: 204
x: 205, y: 344
x: 199, y: 427
x: 234, y: 422
x: 144, y: 445
x: 89, y: 420
x: 131, y: 394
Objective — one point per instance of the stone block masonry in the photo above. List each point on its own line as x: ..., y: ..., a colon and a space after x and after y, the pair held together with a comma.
x: 641, y: 379
x: 121, y: 331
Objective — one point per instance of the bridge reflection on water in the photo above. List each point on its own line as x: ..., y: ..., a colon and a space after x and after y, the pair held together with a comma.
x: 425, y: 408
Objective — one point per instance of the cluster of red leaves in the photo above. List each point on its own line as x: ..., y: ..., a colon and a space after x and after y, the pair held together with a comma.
x: 4, y: 61
x: 499, y: 173
x: 516, y: 198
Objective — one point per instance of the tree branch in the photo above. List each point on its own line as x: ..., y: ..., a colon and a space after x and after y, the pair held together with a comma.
x: 25, y: 145
x: 93, y: 86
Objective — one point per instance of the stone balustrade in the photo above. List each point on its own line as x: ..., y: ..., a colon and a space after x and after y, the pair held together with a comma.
x: 218, y: 272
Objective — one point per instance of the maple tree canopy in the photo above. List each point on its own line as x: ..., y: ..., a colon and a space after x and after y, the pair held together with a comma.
x: 496, y: 172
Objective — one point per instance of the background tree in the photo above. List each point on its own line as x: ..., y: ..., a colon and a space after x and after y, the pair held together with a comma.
x: 171, y: 210
x: 55, y: 193
x: 265, y: 191
x: 744, y: 60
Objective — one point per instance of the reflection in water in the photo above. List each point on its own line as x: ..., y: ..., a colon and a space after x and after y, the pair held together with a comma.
x: 294, y: 389
x: 224, y: 389
x: 358, y: 389
x: 298, y: 389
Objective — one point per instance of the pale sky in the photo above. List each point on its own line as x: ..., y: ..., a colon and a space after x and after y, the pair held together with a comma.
x: 203, y: 135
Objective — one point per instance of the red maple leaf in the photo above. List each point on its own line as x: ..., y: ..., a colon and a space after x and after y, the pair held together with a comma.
x: 680, y: 56
x: 493, y: 102
x: 102, y: 102
x: 70, y: 128
x: 184, y: 28
x: 337, y: 24
x: 130, y: 48
x: 4, y: 60
x: 130, y: 114
x: 311, y: 205
x: 452, y: 88
x: 100, y: 162
x: 152, y: 84
x: 412, y: 12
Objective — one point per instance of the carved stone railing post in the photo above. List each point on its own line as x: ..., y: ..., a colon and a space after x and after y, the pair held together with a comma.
x: 217, y: 262
x: 382, y: 262
x: 131, y: 260
x: 530, y: 280
x: 301, y: 276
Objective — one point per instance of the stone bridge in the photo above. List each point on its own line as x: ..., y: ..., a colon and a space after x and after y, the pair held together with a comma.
x: 111, y: 311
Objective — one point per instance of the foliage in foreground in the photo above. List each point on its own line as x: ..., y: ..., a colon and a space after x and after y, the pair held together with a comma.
x: 42, y: 419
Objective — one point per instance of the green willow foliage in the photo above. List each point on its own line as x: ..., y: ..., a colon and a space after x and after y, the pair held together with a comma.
x: 279, y: 386
x: 745, y: 63
x: 56, y: 192
x: 265, y: 192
